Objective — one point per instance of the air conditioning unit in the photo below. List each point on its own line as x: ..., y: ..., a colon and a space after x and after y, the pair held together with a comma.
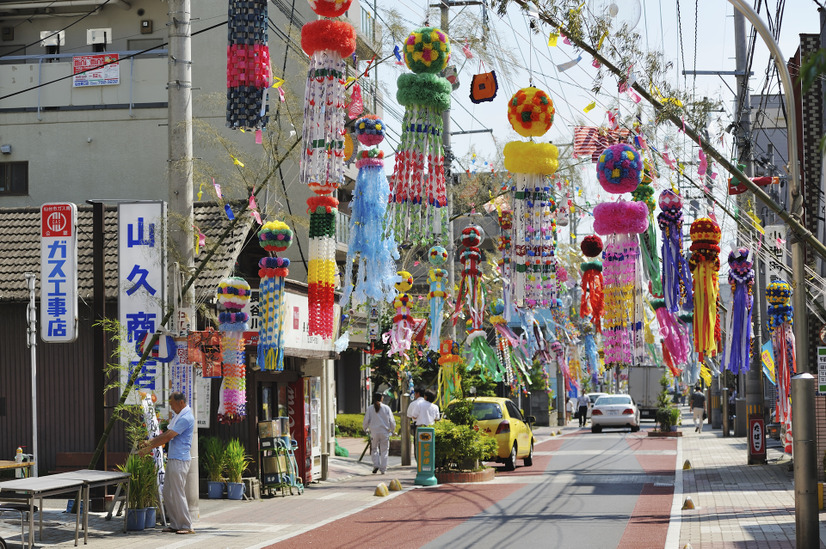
x: 52, y: 38
x: 98, y: 36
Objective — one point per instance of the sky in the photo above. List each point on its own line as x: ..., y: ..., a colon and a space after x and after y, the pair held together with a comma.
x: 699, y: 37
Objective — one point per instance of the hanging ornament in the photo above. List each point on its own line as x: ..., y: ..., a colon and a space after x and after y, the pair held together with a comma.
x: 780, y: 322
x: 591, y: 354
x: 450, y: 368
x: 510, y: 350
x: 738, y: 320
x: 233, y: 294
x: 274, y: 236
x: 705, y: 266
x: 418, y: 194
x: 677, y: 289
x: 373, y: 248
x: 648, y: 240
x: 470, y: 292
x: 437, y: 278
x: 533, y: 276
x: 401, y: 334
x: 675, y: 339
x: 593, y: 298
x: 327, y: 42
x: 619, y: 169
x: 483, y: 87
x: 505, y: 217
x: 248, y: 65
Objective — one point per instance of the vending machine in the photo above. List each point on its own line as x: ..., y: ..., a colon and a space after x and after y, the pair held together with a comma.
x: 304, y: 412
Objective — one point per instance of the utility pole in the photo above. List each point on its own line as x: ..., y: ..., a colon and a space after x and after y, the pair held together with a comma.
x: 444, y: 9
x: 752, y: 406
x: 179, y: 91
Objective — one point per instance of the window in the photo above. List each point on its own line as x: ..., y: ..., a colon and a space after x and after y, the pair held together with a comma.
x: 14, y: 178
x: 513, y: 411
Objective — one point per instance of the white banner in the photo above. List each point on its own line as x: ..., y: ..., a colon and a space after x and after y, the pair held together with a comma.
x: 775, y: 240
x: 141, y: 289
x: 58, y: 273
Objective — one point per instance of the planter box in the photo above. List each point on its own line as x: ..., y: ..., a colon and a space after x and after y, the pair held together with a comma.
x: 457, y: 477
x: 665, y: 434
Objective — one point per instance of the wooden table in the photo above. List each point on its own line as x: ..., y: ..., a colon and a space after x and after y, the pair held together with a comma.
x: 37, y: 488
x: 6, y: 465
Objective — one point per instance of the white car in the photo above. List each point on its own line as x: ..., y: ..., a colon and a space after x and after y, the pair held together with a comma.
x: 615, y: 411
x: 593, y: 398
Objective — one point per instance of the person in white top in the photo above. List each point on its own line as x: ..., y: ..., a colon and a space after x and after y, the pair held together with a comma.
x: 569, y: 409
x: 379, y: 421
x: 583, y: 401
x: 429, y: 411
x: 415, y: 405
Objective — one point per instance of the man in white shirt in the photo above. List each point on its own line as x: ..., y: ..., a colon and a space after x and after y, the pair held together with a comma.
x: 380, y: 422
x: 583, y: 401
x: 428, y: 411
x: 413, y: 414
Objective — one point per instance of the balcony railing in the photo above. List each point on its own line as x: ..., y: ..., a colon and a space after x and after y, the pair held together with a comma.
x: 38, y: 82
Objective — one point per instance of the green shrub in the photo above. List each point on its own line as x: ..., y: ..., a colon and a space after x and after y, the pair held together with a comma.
x: 461, y: 413
x: 457, y: 445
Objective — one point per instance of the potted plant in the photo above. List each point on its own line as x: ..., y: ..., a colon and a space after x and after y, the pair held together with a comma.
x: 460, y: 447
x: 136, y: 516
x: 667, y: 415
x: 212, y: 458
x: 149, y: 490
x: 236, y: 461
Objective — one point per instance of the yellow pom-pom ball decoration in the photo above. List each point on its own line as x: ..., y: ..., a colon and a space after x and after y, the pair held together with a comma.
x: 405, y: 283
x: 530, y: 157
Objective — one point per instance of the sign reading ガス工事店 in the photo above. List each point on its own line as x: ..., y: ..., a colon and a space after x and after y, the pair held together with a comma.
x: 141, y: 289
x: 58, y: 273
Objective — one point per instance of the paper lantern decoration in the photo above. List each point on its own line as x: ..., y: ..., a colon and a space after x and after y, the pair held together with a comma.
x: 483, y: 87
x: 593, y: 297
x: 780, y: 322
x: 619, y: 169
x: 233, y: 294
x: 326, y: 42
x: 418, y: 194
x: 705, y: 266
x: 274, y: 236
x: 533, y: 275
x: 676, y: 276
x: 401, y: 334
x: 437, y: 278
x: 248, y: 65
x: 531, y: 112
x: 738, y: 319
x: 370, y: 246
x: 622, y: 330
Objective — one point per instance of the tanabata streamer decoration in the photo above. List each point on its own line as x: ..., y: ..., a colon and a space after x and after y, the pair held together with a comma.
x: 591, y: 354
x: 370, y: 245
x: 470, y: 291
x: 326, y: 42
x: 621, y: 222
x: 691, y: 372
x: 648, y: 240
x: 418, y: 195
x: 705, y: 266
x: 780, y: 322
x: 233, y: 295
x: 437, y: 277
x: 675, y: 339
x: 450, y: 378
x: 508, y: 346
x: 738, y: 320
x: 505, y: 216
x: 274, y: 236
x: 593, y: 298
x: 401, y: 333
x: 533, y: 277
x: 248, y: 65
x: 677, y: 288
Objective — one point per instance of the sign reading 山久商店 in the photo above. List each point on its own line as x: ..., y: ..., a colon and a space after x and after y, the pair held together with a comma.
x: 141, y: 289
x: 58, y: 272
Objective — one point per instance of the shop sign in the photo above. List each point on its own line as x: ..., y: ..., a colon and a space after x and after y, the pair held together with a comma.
x: 95, y: 70
x: 821, y: 370
x: 141, y: 288
x: 58, y: 273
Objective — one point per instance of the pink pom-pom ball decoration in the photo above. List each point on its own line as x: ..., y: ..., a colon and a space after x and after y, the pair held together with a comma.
x: 370, y: 130
x: 620, y: 218
x: 619, y: 168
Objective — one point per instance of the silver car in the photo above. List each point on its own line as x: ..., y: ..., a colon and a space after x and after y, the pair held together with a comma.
x: 615, y: 411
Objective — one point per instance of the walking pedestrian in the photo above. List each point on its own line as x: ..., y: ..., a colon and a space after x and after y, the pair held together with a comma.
x: 429, y: 411
x: 380, y: 423
x: 569, y: 410
x: 179, y: 436
x: 698, y: 406
x: 583, y: 401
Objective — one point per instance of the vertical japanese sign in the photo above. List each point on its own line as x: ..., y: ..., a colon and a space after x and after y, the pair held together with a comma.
x: 153, y: 429
x: 821, y: 370
x: 776, y: 247
x: 58, y: 273
x: 141, y: 288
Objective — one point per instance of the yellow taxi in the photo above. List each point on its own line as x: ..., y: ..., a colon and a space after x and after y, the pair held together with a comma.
x: 501, y: 419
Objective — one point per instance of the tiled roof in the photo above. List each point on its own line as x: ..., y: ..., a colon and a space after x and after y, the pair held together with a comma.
x: 20, y: 249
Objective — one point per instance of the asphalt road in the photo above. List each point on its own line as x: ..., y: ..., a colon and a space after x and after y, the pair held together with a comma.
x: 611, y: 489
